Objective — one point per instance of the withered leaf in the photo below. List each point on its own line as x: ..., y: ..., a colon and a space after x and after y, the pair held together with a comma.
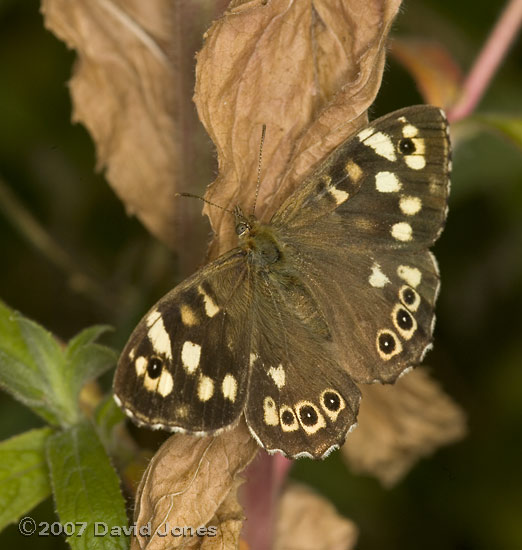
x: 229, y: 521
x: 307, y: 521
x: 190, y: 482
x: 399, y: 424
x: 131, y: 87
x: 308, y: 70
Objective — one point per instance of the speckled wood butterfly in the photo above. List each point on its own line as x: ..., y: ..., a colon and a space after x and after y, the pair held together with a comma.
x: 338, y: 288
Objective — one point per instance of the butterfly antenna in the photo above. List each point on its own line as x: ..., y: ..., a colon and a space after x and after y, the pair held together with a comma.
x: 263, y: 131
x: 204, y: 200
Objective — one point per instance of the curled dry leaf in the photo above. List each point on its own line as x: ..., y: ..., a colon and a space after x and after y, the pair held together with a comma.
x: 308, y: 70
x: 192, y: 482
x: 401, y: 423
x: 229, y: 521
x: 307, y: 521
x: 131, y: 87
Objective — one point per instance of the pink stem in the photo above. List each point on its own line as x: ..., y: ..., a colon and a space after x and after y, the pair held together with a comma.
x: 488, y: 60
x: 265, y: 477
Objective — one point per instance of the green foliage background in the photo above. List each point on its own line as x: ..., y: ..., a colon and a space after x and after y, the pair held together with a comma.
x: 468, y: 496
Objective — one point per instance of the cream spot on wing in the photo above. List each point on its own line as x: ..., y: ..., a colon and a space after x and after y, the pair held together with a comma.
x: 353, y: 170
x: 253, y: 358
x: 270, y: 415
x: 166, y: 383
x: 411, y: 275
x: 382, y: 145
x: 132, y: 353
x: 338, y: 195
x: 402, y: 231
x: 409, y: 131
x: 410, y: 205
x: 420, y: 147
x: 387, y: 182
x: 188, y: 315
x: 205, y: 388
x: 151, y: 384
x: 377, y: 278
x: 288, y: 419
x: 415, y: 162
x: 182, y: 411
x: 366, y: 133
x: 229, y: 387
x: 153, y: 317
x: 277, y: 375
x: 140, y: 365
x: 190, y: 354
x: 211, y: 308
x: 158, y: 335
x: 402, y: 119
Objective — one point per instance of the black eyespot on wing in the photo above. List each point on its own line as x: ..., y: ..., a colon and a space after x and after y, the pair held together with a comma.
x: 406, y: 146
x: 387, y: 343
x: 308, y: 415
x: 404, y: 319
x: 331, y: 401
x: 154, y: 367
x: 287, y: 418
x: 408, y: 296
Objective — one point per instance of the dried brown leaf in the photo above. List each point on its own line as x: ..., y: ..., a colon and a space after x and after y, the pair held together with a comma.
x: 307, y: 521
x: 191, y: 482
x: 399, y: 424
x: 132, y: 87
x: 308, y: 70
x: 229, y: 521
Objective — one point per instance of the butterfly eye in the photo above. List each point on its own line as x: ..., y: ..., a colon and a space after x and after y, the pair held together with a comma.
x: 242, y: 228
x: 154, y: 367
x: 406, y: 146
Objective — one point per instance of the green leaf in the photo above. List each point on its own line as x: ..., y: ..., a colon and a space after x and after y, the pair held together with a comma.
x: 508, y: 127
x: 24, y: 476
x: 86, y: 487
x: 30, y: 365
x: 37, y: 372
x: 86, y: 360
x: 107, y: 415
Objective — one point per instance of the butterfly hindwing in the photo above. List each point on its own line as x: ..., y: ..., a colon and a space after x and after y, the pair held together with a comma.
x: 301, y: 402
x: 186, y: 366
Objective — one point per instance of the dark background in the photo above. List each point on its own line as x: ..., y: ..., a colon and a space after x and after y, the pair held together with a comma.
x: 70, y: 257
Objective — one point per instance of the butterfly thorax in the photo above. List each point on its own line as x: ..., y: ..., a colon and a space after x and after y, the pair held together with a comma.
x: 258, y: 240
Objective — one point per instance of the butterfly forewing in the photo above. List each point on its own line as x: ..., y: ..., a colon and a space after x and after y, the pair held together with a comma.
x: 339, y: 287
x: 186, y: 365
